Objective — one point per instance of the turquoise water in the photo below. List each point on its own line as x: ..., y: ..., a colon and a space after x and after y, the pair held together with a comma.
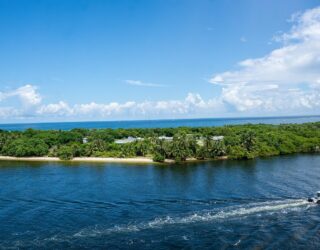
x: 161, y: 123
x: 254, y: 204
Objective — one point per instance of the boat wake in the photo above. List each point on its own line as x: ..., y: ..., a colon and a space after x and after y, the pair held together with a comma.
x: 233, y: 212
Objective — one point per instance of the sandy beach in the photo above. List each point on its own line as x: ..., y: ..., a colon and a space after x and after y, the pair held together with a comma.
x: 101, y: 159
x: 84, y: 159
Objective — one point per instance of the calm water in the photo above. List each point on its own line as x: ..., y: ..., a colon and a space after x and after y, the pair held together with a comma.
x: 160, y: 123
x: 229, y: 205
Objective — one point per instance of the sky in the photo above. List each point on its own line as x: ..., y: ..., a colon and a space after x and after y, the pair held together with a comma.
x: 91, y: 60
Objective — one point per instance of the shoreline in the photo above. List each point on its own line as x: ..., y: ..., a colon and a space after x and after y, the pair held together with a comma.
x: 101, y: 159
x: 83, y: 159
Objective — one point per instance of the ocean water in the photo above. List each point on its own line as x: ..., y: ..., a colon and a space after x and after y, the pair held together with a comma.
x: 161, y: 123
x: 254, y: 204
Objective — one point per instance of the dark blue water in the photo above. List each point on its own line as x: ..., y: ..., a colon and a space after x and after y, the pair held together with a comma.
x: 254, y: 204
x: 161, y: 123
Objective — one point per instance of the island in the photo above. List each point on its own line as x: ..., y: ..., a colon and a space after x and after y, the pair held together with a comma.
x: 148, y: 145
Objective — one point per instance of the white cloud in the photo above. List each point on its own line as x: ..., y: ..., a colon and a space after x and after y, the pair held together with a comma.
x: 102, y: 110
x: 264, y: 83
x: 28, y: 98
x: 60, y: 108
x: 27, y: 94
x: 32, y: 108
x: 143, y: 84
x: 8, y: 112
x: 193, y: 103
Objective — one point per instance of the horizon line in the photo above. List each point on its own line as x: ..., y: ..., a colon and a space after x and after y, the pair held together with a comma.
x: 168, y: 119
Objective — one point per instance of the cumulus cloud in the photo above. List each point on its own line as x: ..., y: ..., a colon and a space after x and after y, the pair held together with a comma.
x: 192, y: 104
x: 28, y: 100
x: 143, y: 84
x: 60, y: 108
x: 264, y: 83
x: 27, y: 94
x: 103, y: 110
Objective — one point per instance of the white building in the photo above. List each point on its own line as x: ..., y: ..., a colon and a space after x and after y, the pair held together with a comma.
x: 201, y: 140
x: 165, y: 138
x: 217, y: 138
x: 128, y: 140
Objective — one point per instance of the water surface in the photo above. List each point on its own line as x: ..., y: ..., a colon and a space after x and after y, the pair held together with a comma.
x: 161, y: 123
x: 222, y: 204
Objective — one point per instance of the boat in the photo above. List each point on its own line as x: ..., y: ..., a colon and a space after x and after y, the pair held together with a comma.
x: 315, y: 199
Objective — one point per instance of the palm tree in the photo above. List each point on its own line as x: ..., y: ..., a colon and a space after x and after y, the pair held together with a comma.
x: 248, y: 140
x: 158, y: 146
x: 218, y: 148
x: 180, y: 147
x: 207, y: 145
x: 141, y: 148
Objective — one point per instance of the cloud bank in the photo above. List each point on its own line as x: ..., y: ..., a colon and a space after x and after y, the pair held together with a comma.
x: 287, y: 78
x: 192, y: 104
x: 31, y: 107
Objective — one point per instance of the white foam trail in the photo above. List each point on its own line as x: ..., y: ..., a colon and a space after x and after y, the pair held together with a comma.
x: 231, y: 212
x: 237, y: 243
x: 244, y: 211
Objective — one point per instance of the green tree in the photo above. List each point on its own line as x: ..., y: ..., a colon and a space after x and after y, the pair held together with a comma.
x: 158, y: 157
x: 180, y: 147
x: 248, y: 140
x: 25, y: 147
x: 65, y: 153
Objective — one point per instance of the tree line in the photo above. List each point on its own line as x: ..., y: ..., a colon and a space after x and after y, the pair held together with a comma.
x: 239, y: 142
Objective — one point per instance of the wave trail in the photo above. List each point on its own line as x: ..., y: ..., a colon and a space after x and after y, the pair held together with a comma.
x: 203, y: 216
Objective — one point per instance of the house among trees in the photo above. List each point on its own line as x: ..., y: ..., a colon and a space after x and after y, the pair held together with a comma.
x: 201, y: 140
x: 128, y: 140
x: 217, y: 138
x: 165, y: 138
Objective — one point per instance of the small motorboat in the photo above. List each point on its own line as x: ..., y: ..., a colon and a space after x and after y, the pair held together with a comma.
x: 316, y: 199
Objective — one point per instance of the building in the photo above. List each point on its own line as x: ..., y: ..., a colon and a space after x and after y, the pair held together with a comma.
x: 165, y: 138
x: 128, y: 140
x: 217, y: 138
x: 200, y: 141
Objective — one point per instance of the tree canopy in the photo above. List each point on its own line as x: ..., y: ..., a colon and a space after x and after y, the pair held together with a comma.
x: 238, y: 142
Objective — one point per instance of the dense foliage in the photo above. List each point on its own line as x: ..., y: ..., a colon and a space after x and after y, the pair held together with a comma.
x: 239, y: 142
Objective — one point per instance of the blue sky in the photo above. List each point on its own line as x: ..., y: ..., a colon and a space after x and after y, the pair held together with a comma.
x: 107, y: 60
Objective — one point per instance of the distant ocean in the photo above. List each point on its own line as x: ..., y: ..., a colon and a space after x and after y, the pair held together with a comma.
x: 160, y: 123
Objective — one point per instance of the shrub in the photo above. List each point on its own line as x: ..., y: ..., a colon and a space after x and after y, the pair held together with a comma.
x: 158, y: 158
x: 65, y: 153
x: 25, y: 147
x: 237, y: 152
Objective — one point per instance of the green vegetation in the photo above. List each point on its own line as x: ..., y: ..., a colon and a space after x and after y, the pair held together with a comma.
x: 236, y: 142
